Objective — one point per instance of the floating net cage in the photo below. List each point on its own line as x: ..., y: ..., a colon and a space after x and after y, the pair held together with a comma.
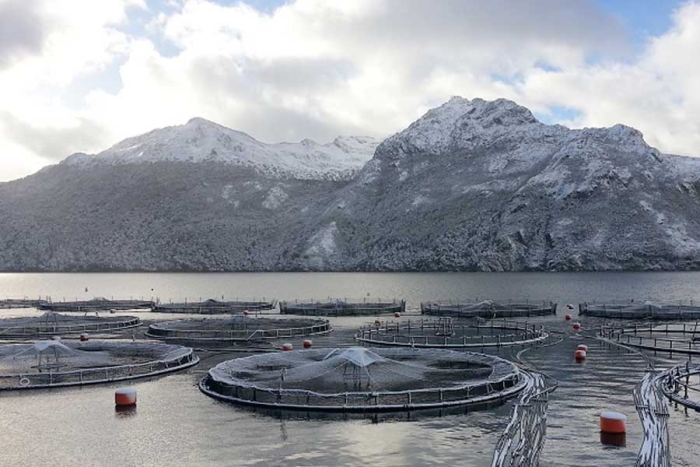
x: 490, y: 308
x: 343, y: 307
x: 450, y: 333
x: 50, y: 323
x: 238, y: 328
x: 362, y: 380
x: 21, y: 303
x: 96, y: 304
x: 681, y: 338
x: 644, y: 309
x: 215, y: 307
x: 45, y: 364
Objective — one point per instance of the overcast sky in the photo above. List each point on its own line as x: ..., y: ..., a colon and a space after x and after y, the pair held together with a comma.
x: 80, y: 75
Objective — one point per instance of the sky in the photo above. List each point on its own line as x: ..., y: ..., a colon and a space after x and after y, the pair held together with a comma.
x: 81, y: 75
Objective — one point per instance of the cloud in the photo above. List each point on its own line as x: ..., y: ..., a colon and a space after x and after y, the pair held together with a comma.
x: 53, y: 143
x: 22, y: 30
x: 319, y: 68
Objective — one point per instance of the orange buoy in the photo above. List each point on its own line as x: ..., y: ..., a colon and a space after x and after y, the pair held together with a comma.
x: 580, y: 355
x: 567, y: 317
x: 287, y: 346
x: 83, y: 337
x: 397, y: 315
x: 125, y: 397
x: 612, y: 422
x: 308, y: 343
x: 577, y: 326
x: 583, y: 347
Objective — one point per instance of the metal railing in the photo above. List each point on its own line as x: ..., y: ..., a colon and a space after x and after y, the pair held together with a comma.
x: 485, y: 391
x: 403, y: 334
x: 157, y: 331
x: 61, y: 329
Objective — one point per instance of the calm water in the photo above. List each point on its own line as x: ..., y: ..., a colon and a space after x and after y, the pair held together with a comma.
x: 176, y: 425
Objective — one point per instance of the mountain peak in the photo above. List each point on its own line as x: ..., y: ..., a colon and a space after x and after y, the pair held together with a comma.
x: 461, y: 123
x: 201, y: 140
x: 200, y: 121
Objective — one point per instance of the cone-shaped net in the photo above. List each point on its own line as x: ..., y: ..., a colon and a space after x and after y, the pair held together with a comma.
x: 359, y: 370
x: 50, y: 356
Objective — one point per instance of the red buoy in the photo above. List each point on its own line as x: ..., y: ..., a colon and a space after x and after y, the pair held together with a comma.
x: 287, y: 346
x: 580, y: 355
x: 308, y: 343
x: 397, y: 315
x: 83, y: 337
x: 567, y: 317
x: 577, y: 326
x: 613, y: 422
x: 245, y: 313
x: 125, y: 397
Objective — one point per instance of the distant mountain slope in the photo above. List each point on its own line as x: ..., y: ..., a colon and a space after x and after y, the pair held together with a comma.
x: 200, y: 140
x: 472, y: 185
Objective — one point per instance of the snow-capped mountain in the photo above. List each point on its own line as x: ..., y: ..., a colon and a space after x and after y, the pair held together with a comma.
x: 200, y: 140
x: 471, y: 185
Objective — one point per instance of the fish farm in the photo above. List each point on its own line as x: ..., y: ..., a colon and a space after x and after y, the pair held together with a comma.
x: 96, y: 304
x: 449, y: 333
x: 46, y: 364
x: 467, y: 356
x: 50, y: 324
x: 238, y: 328
x: 342, y: 307
x: 212, y: 307
x: 641, y: 310
x: 359, y: 379
x: 489, y: 309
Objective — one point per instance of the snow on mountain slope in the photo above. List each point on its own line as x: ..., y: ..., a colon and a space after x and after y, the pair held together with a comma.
x: 200, y: 140
x: 472, y: 185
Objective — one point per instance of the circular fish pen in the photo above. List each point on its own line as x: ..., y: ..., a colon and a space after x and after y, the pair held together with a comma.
x: 363, y: 380
x: 211, y: 307
x: 489, y: 309
x: 96, y: 304
x: 449, y: 333
x: 50, y: 324
x: 682, y: 338
x: 344, y: 307
x: 237, y: 329
x: 47, y: 364
x: 641, y: 310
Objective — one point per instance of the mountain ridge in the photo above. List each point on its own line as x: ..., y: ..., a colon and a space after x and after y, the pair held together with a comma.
x: 472, y: 185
